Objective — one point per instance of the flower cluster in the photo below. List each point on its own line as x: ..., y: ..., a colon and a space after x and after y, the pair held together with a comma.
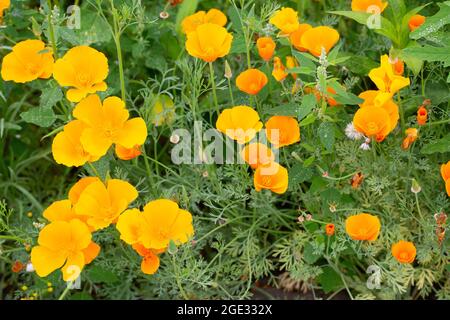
x: 92, y: 205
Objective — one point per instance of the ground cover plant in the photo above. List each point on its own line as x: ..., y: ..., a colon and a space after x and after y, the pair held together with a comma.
x: 199, y: 149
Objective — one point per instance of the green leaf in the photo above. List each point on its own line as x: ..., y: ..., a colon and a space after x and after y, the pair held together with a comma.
x: 308, y: 254
x: 441, y: 146
x: 238, y: 44
x: 310, y: 118
x: 91, y: 24
x: 50, y: 96
x: 185, y: 9
x: 99, y: 274
x: 429, y: 53
x: 433, y: 23
x: 360, y: 65
x: 386, y: 29
x: 302, y: 70
x: 329, y: 280
x: 308, y: 104
x: 342, y: 96
x: 288, y: 109
x: 326, y: 135
x: 299, y: 173
x: 414, y: 63
x: 308, y: 162
x: 40, y: 116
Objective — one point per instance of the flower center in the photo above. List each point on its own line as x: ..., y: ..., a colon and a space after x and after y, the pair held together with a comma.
x: 83, y: 79
x: 267, y: 180
x: 387, y: 83
x: 372, y: 128
x: 32, y: 68
x: 403, y: 256
x: 209, y: 51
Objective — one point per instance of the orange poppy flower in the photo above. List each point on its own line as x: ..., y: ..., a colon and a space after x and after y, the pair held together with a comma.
x: 209, y: 42
x: 282, y: 131
x: 279, y: 70
x: 84, y: 69
x: 422, y: 116
x: 108, y: 124
x: 213, y: 16
x: 363, y: 226
x: 357, y: 179
x: 4, y: 4
x: 17, y: 265
x: 367, y: 5
x: 386, y: 80
x: 372, y: 122
x: 66, y: 245
x: 67, y: 148
x: 127, y: 153
x: 240, y: 123
x: 330, y: 100
x: 251, y: 81
x: 286, y: 20
x: 416, y: 21
x: 404, y: 251
x: 28, y: 61
x: 291, y: 62
x: 150, y: 260
x: 102, y: 204
x: 370, y: 100
x: 271, y: 176
x: 318, y: 38
x: 447, y: 187
x: 78, y: 188
x: 256, y: 154
x: 266, y: 47
x: 329, y: 229
x: 60, y: 211
x: 411, y: 136
x: 445, y: 171
x: 296, y: 37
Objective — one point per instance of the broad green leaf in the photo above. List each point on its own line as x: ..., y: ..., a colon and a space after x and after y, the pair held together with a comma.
x: 330, y: 280
x: 308, y: 254
x: 238, y: 44
x: 50, y: 96
x: 308, y: 162
x: 342, y: 96
x: 429, y: 53
x: 40, y: 116
x: 441, y: 146
x: 310, y: 118
x: 89, y: 33
x: 414, y: 63
x: 403, y: 25
x: 185, y: 9
x: 308, y: 104
x: 299, y: 173
x: 302, y: 70
x: 360, y: 65
x: 99, y: 274
x: 288, y: 109
x: 386, y: 29
x: 326, y: 135
x: 433, y: 23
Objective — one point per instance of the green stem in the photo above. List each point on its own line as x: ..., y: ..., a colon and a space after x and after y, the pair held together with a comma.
x: 418, y: 206
x: 63, y: 295
x: 402, y: 113
x: 180, y: 287
x: 94, y: 170
x: 213, y: 85
x: 119, y: 51
x: 51, y: 30
x: 230, y: 91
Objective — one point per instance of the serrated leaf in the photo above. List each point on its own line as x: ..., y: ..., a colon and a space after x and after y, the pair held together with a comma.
x: 326, y: 135
x: 40, y: 116
x: 433, y: 23
x: 441, y: 146
x: 50, y: 96
x: 308, y: 254
x: 329, y: 280
x: 307, y: 105
x: 429, y: 53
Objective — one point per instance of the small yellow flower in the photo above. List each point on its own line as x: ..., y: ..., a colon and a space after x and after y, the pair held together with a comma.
x: 84, y: 69
x: 286, y: 20
x: 213, y: 16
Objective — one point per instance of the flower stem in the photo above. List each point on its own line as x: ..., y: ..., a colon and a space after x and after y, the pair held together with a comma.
x: 94, y: 170
x: 51, y: 30
x: 418, y: 206
x: 63, y: 295
x: 180, y: 287
x: 402, y: 113
x: 119, y: 51
x: 231, y: 91
x: 213, y: 85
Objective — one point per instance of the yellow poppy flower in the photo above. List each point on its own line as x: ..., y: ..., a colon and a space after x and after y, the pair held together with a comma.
x: 102, y: 204
x: 373, y: 122
x: 84, y: 69
x: 213, y: 16
x: 60, y: 211
x: 367, y: 5
x: 28, y: 61
x: 4, y: 4
x: 279, y: 70
x: 108, y: 124
x: 66, y: 245
x: 386, y: 80
x: 209, y: 42
x: 78, y: 188
x: 286, y: 20
x: 67, y: 148
x: 271, y: 176
x: 161, y: 221
x: 240, y: 123
x: 251, y: 81
x: 363, y: 226
x: 318, y: 38
x: 256, y: 154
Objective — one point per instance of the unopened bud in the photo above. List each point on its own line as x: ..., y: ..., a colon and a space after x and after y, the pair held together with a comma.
x: 228, y: 72
x: 164, y: 15
x: 174, y: 138
x: 415, y: 187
